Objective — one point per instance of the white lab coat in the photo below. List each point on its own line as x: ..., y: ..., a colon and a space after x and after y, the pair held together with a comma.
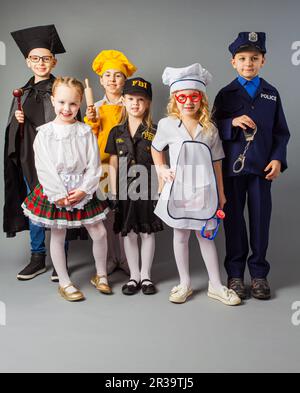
x: 196, y: 208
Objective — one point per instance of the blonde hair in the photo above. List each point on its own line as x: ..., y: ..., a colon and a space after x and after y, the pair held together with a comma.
x: 69, y: 82
x: 147, y: 118
x: 204, y: 112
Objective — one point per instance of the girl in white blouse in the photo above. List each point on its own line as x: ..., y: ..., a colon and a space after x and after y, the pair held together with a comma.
x: 68, y: 168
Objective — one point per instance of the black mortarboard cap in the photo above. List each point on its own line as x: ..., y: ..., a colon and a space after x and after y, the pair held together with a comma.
x: 38, y: 37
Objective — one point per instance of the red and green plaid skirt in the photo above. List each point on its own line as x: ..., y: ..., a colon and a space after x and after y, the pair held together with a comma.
x: 43, y: 213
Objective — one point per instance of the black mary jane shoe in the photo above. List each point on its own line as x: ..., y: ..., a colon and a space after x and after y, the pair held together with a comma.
x: 131, y: 289
x: 149, y: 288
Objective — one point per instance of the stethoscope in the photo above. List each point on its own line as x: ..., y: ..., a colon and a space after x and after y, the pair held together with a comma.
x: 220, y: 215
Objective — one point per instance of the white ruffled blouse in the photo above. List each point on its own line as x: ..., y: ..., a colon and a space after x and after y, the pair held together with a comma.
x: 67, y: 158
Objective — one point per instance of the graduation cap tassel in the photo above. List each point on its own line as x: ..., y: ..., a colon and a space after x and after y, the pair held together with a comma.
x: 18, y: 93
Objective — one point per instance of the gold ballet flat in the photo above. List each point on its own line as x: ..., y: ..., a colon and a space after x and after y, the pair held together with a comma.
x: 103, y: 288
x: 71, y: 297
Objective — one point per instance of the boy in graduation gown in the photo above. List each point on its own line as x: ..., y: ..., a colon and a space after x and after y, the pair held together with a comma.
x: 39, y: 45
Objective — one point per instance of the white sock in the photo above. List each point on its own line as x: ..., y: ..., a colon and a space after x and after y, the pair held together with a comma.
x: 210, y: 257
x: 147, y: 254
x: 98, y: 235
x: 57, y: 252
x: 132, y: 255
x: 181, y: 251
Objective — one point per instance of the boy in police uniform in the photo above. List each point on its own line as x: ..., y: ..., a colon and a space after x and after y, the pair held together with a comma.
x: 250, y: 109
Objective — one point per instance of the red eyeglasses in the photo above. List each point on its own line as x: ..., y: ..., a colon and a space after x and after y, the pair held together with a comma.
x: 194, y: 97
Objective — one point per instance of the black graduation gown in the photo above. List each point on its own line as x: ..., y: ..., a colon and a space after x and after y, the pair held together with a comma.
x: 19, y: 154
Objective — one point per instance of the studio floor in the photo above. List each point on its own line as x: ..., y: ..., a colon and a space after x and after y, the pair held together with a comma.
x: 44, y: 333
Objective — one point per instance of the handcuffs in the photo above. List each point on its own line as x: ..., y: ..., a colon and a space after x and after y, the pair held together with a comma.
x: 239, y: 164
x: 220, y: 215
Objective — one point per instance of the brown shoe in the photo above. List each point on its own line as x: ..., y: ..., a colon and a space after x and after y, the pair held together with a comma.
x: 238, y: 286
x: 260, y: 289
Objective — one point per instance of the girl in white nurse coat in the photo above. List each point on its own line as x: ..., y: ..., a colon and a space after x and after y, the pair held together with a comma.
x: 193, y: 189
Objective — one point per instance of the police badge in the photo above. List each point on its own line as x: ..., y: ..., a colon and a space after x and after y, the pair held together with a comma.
x: 253, y: 37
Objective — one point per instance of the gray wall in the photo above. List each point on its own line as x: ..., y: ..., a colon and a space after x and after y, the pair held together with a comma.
x: 158, y: 33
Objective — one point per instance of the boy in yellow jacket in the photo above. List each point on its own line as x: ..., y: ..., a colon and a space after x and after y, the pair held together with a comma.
x: 114, y: 68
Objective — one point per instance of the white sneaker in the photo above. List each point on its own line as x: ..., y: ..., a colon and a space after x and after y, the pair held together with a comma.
x: 111, y: 266
x: 224, y: 295
x: 180, y: 294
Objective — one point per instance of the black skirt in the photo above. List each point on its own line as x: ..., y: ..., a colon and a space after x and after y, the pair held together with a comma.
x: 137, y: 216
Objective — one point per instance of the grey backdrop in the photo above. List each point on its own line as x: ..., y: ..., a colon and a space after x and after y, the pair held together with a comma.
x: 154, y: 34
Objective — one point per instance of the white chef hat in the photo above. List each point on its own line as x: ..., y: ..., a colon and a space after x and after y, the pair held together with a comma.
x: 193, y: 77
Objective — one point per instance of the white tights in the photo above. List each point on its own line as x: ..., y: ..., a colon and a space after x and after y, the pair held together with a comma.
x: 132, y: 254
x: 209, y: 254
x: 57, y: 251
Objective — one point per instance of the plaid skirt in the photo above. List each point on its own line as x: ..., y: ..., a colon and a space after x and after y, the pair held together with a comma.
x: 43, y: 213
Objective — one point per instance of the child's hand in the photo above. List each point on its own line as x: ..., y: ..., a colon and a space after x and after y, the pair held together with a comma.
x: 243, y: 122
x: 75, y: 196
x: 20, y: 116
x: 274, y: 167
x: 91, y: 113
x: 63, y: 202
x: 166, y: 174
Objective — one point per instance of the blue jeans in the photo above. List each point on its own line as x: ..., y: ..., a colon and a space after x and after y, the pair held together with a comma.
x: 37, y: 234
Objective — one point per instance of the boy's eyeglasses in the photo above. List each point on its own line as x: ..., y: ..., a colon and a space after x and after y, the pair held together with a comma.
x: 182, y: 98
x: 45, y: 59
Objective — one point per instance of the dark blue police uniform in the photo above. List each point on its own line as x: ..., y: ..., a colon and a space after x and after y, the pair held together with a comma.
x: 264, y: 107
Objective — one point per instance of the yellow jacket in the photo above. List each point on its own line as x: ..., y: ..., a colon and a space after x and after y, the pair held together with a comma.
x: 108, y: 117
